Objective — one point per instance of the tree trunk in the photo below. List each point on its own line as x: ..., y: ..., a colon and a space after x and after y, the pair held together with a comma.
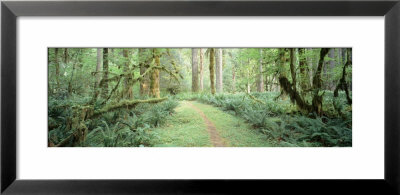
x: 105, y: 73
x: 332, y: 63
x: 128, y: 91
x: 144, y: 61
x: 195, y: 68
x: 260, y: 82
x: 201, y: 70
x: 342, y: 83
x: 98, y: 67
x: 310, y: 65
x: 317, y: 83
x: 155, y: 75
x: 212, y: 71
x: 66, y: 57
x: 293, y: 70
x: 218, y: 69
x: 57, y: 69
x: 72, y: 75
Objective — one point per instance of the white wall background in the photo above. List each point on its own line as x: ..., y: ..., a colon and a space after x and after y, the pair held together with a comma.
x: 364, y: 160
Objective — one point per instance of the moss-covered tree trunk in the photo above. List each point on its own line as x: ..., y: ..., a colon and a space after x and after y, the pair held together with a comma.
x: 57, y: 68
x: 212, y: 70
x: 98, y: 66
x: 293, y: 70
x: 66, y: 56
x: 201, y: 79
x: 195, y: 68
x: 260, y: 79
x: 218, y: 71
x: 104, y: 85
x: 317, y: 83
x: 304, y: 75
x: 342, y: 85
x: 128, y: 88
x: 143, y: 63
x: 155, y: 75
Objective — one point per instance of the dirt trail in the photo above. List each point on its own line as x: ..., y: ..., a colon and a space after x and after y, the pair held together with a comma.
x: 216, y: 140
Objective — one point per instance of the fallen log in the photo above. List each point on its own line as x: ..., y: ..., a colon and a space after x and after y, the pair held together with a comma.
x: 124, y: 104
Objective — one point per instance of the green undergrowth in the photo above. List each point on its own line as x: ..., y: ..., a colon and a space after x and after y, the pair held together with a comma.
x: 120, y: 128
x: 280, y: 121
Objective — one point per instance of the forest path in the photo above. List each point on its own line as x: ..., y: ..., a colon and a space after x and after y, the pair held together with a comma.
x: 195, y: 124
x: 215, y: 138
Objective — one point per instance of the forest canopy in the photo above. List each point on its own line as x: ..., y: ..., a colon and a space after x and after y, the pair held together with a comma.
x: 127, y: 97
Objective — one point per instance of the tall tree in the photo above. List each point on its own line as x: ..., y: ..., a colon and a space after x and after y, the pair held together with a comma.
x: 304, y: 75
x: 342, y: 85
x: 57, y: 68
x: 77, y: 60
x: 128, y: 91
x: 317, y: 83
x: 104, y: 85
x: 66, y: 56
x: 144, y: 62
x: 260, y: 81
x: 218, y: 70
x: 293, y: 70
x: 332, y: 64
x: 195, y: 68
x: 212, y: 70
x: 98, y: 66
x: 201, y: 70
x: 155, y: 75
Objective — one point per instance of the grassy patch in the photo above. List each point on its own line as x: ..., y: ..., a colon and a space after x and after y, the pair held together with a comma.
x: 235, y: 131
x: 185, y: 128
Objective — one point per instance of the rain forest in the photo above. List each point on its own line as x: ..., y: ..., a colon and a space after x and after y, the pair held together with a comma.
x: 199, y: 97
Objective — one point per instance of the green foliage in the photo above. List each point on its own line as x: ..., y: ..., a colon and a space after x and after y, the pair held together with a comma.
x: 122, y: 128
x: 281, y: 121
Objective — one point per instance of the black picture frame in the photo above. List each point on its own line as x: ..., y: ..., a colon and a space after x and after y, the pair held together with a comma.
x: 10, y: 10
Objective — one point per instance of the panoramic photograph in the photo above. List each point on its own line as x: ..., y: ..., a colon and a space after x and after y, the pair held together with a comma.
x: 199, y: 97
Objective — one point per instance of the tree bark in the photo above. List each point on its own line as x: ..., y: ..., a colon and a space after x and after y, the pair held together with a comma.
x: 212, y: 70
x: 155, y: 75
x: 66, y: 56
x: 104, y: 85
x: 317, y: 82
x: 57, y: 68
x: 195, y: 68
x: 293, y: 70
x: 201, y: 70
x: 128, y: 91
x: 218, y: 69
x: 144, y: 62
x: 98, y: 67
x: 260, y: 81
